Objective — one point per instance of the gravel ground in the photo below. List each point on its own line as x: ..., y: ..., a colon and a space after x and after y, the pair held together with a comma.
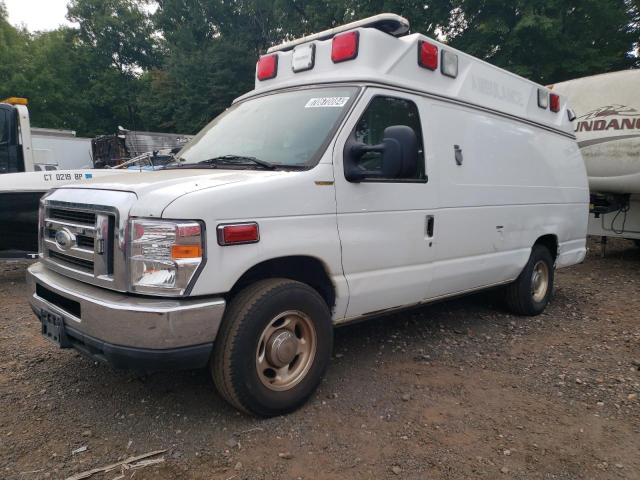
x: 457, y: 390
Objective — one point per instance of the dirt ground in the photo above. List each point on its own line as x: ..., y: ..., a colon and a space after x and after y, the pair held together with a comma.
x: 456, y: 390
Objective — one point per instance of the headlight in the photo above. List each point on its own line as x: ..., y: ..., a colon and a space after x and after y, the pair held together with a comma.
x: 164, y: 255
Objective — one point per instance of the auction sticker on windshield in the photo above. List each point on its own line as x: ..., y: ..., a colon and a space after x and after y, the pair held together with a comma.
x: 324, y: 102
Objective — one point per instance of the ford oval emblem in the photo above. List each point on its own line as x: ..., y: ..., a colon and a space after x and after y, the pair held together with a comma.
x: 64, y: 239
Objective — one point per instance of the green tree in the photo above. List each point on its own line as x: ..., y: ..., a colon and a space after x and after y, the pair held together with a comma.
x: 546, y: 40
x: 115, y: 44
x: 13, y: 57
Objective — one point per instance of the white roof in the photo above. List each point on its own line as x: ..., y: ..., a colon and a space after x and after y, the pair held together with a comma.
x: 385, y: 59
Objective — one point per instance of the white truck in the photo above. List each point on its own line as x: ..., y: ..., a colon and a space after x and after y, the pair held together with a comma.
x: 368, y: 171
x: 30, y: 149
x: 33, y: 160
x: 608, y: 132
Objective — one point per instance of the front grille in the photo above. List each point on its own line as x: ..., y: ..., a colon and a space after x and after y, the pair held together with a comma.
x: 79, y: 241
x: 74, y: 262
x: 75, y: 216
x: 85, y: 242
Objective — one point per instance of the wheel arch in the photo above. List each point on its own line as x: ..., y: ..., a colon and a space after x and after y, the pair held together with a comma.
x: 550, y: 241
x: 306, y: 269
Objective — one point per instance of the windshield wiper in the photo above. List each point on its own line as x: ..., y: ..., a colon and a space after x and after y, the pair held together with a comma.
x: 237, y: 160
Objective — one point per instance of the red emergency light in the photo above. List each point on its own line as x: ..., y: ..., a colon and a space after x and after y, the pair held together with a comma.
x: 345, y: 47
x: 554, y: 102
x: 427, y: 55
x: 267, y: 67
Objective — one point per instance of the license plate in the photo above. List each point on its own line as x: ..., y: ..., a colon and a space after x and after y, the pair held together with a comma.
x: 53, y: 328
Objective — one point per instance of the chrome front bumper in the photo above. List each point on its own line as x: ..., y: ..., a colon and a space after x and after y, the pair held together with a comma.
x: 105, y: 323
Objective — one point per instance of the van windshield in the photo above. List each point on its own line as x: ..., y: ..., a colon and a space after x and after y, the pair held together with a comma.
x: 281, y: 130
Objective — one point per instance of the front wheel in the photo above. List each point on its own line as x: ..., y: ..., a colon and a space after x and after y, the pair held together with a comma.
x: 273, y: 347
x: 531, y: 292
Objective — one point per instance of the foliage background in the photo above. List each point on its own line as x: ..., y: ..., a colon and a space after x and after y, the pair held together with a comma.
x: 172, y: 65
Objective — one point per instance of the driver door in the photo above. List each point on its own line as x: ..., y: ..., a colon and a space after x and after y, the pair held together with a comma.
x: 386, y: 225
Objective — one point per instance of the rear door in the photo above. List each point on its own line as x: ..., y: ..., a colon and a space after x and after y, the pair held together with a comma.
x: 386, y: 225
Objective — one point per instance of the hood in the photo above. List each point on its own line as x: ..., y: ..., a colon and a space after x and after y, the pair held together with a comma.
x: 155, y: 190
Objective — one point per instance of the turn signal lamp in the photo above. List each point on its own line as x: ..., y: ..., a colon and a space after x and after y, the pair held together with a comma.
x: 267, y: 67
x: 238, y: 234
x: 427, y: 55
x: 554, y: 101
x: 186, y: 251
x: 345, y: 47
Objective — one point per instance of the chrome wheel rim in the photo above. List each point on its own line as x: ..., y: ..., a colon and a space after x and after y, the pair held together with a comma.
x: 539, y: 281
x: 286, y: 350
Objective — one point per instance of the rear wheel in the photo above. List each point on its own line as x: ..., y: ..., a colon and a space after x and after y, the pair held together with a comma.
x: 273, y: 347
x: 637, y: 242
x: 531, y: 292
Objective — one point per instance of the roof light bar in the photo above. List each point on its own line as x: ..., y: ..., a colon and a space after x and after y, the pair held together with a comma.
x: 449, y: 64
x: 15, y: 101
x: 267, y: 67
x: 345, y: 46
x: 427, y: 55
x: 390, y: 23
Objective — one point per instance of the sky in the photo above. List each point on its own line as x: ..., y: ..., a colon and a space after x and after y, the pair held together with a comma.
x: 37, y: 14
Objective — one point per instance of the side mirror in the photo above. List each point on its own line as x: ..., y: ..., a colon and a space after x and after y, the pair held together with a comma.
x: 399, y: 150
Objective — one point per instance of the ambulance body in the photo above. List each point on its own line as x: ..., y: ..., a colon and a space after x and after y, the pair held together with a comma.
x: 368, y: 171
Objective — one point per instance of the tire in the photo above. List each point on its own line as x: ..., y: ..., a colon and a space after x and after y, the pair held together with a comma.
x: 637, y: 242
x: 532, y: 290
x: 260, y: 333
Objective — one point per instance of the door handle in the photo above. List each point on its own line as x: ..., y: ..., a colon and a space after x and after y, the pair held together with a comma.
x: 430, y: 225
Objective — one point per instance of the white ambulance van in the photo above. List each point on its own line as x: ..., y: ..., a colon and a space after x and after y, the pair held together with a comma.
x: 368, y: 171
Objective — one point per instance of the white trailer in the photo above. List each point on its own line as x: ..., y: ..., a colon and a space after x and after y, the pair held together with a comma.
x: 60, y: 150
x: 607, y: 128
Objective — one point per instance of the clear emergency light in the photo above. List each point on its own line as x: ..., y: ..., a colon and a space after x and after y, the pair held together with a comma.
x: 303, y: 58
x: 543, y: 98
x: 449, y: 64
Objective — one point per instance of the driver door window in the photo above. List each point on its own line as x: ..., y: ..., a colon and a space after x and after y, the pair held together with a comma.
x: 385, y: 112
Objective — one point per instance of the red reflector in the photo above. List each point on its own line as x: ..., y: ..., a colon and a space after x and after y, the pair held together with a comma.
x: 267, y: 67
x: 345, y: 47
x: 427, y: 55
x: 238, y: 234
x: 554, y: 102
